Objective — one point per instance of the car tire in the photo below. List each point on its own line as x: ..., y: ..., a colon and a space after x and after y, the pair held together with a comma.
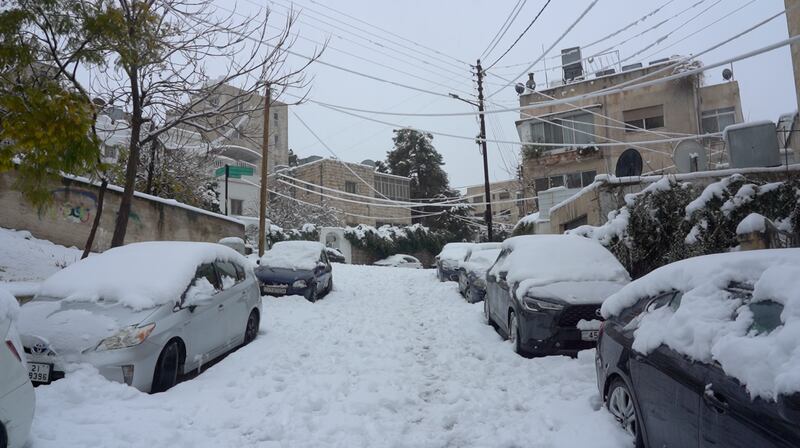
x: 167, y: 368
x: 513, y: 332
x: 622, y: 406
x: 3, y: 436
x: 251, y: 328
x: 468, y: 295
x: 311, y: 293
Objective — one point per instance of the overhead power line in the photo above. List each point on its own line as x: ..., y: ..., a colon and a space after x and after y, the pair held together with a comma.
x: 504, y: 28
x: 520, y: 36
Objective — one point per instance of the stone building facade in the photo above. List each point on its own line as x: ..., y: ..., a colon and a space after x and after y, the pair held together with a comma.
x: 342, y: 186
x: 657, y: 112
x: 507, y: 203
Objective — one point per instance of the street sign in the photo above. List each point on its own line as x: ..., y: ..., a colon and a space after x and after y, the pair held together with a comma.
x: 235, y: 172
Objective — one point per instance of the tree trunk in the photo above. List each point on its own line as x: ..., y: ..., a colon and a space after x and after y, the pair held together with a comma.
x: 97, y: 216
x: 121, y: 226
x: 151, y: 167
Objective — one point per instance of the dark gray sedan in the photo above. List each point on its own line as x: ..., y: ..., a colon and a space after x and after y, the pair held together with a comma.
x: 295, y: 268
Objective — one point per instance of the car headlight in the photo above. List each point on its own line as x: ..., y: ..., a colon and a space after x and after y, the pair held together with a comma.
x: 538, y: 305
x: 126, y: 337
x: 299, y: 284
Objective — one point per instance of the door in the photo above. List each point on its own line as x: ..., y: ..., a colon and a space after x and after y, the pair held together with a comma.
x: 731, y: 417
x: 234, y: 300
x: 205, y: 327
x: 497, y: 291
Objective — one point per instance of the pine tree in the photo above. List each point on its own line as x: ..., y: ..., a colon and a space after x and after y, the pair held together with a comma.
x: 414, y: 156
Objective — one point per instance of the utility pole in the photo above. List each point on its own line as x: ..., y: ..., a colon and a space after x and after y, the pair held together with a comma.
x: 227, y: 175
x: 486, y: 188
x: 262, y: 214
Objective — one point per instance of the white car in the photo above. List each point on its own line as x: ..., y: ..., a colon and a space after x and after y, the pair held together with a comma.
x: 400, y: 261
x: 143, y: 314
x: 17, y: 398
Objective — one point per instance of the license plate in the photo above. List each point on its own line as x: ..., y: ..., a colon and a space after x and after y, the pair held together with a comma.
x: 268, y: 289
x: 589, y: 335
x: 39, y: 372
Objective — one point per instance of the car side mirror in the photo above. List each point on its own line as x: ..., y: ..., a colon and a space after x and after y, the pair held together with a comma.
x: 503, y: 275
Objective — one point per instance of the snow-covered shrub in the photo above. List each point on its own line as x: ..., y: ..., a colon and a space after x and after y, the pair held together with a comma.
x: 670, y: 221
x: 275, y: 234
x: 388, y: 240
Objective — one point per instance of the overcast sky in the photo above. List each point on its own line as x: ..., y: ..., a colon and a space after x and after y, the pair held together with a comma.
x: 460, y: 30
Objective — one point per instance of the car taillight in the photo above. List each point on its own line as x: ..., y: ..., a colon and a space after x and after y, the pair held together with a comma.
x: 13, y: 350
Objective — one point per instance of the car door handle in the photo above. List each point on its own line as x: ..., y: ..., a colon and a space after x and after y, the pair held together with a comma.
x: 220, y: 306
x: 715, y: 400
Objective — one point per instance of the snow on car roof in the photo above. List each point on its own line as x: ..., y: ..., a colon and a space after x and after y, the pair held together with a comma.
x: 9, y: 307
x: 454, y: 251
x: 537, y: 260
x: 138, y: 275
x: 480, y: 261
x: 712, y: 324
x: 302, y: 255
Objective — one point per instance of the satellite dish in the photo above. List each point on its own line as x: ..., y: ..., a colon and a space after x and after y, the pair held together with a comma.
x: 520, y: 88
x: 690, y: 156
x: 629, y: 164
x: 727, y: 74
x: 369, y: 162
x: 99, y: 102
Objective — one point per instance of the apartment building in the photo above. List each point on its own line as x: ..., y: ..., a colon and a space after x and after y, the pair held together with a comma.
x: 507, y: 196
x: 676, y: 108
x: 342, y: 182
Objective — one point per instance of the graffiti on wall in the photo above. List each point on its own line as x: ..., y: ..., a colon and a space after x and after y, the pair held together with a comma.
x: 77, y: 206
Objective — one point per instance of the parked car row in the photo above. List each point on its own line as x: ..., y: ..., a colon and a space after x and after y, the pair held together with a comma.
x: 702, y: 352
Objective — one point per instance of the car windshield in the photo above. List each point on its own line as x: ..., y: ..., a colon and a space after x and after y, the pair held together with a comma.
x: 766, y: 316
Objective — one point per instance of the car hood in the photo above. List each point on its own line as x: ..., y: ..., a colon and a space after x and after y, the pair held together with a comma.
x: 576, y: 293
x: 282, y: 275
x: 69, y: 328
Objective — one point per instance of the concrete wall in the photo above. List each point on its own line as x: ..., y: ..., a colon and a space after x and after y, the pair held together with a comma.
x: 68, y: 219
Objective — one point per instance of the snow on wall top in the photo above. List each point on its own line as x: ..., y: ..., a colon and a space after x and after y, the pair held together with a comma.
x: 9, y: 307
x: 711, y: 324
x: 138, y: 275
x: 752, y: 223
x: 537, y: 260
x: 302, y: 255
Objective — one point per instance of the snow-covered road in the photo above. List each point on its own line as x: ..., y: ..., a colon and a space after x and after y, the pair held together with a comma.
x: 392, y: 358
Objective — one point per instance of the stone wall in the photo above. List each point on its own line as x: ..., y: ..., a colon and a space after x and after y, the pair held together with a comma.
x: 69, y: 217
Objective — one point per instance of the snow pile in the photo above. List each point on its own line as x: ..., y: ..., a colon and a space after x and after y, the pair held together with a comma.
x: 752, y: 223
x: 302, y: 255
x: 139, y: 275
x: 712, y: 323
x: 25, y: 261
x: 615, y: 227
x: 9, y: 307
x: 537, y: 260
x: 391, y: 358
x: 397, y: 260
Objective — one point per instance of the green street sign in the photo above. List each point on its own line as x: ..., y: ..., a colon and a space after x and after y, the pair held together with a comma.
x: 235, y: 172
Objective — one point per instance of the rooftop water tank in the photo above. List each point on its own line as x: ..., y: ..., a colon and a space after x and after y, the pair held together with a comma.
x: 752, y: 144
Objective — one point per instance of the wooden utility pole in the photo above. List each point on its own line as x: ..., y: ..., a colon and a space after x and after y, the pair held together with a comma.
x: 262, y: 214
x: 486, y: 187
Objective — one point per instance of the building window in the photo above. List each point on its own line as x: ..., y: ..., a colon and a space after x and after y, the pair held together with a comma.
x: 275, y: 139
x: 569, y: 130
x: 569, y: 180
x: 350, y: 187
x: 717, y: 120
x: 477, y: 199
x: 398, y: 189
x: 110, y: 152
x: 236, y: 207
x: 504, y: 195
x: 646, y: 118
x: 275, y: 116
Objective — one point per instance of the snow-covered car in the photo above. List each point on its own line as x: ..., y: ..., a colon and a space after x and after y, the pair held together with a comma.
x: 17, y: 398
x: 544, y: 292
x: 706, y: 352
x: 143, y: 314
x: 335, y: 255
x: 472, y: 271
x: 296, y: 268
x: 448, y: 259
x: 400, y: 261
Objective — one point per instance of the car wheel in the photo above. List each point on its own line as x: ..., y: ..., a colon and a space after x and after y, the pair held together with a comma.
x: 311, y: 293
x: 251, y: 329
x: 621, y: 405
x: 3, y: 436
x: 166, y: 374
x: 468, y: 295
